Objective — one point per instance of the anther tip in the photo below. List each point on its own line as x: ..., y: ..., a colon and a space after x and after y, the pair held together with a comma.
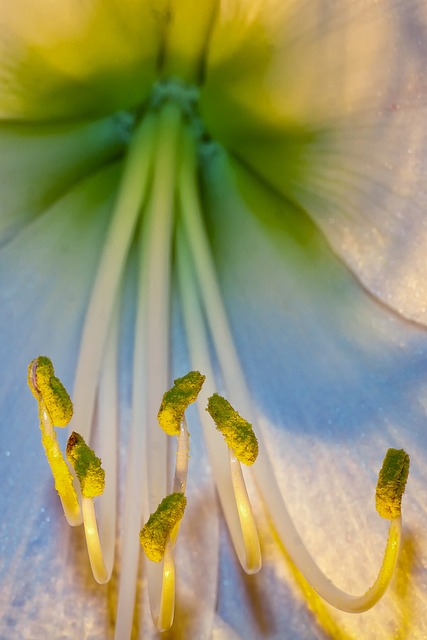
x: 237, y: 431
x: 47, y: 387
x: 176, y: 400
x: 154, y: 535
x: 391, y: 483
x: 86, y: 465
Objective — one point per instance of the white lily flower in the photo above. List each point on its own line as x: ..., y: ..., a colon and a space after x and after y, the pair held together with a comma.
x: 239, y: 187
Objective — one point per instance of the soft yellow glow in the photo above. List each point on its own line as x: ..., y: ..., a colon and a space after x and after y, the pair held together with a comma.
x: 93, y: 543
x: 61, y: 474
x: 55, y: 407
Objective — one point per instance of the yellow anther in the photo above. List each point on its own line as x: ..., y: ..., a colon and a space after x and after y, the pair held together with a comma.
x: 46, y: 387
x: 55, y: 408
x: 391, y: 483
x: 237, y: 431
x: 154, y: 535
x: 86, y: 465
x: 176, y: 400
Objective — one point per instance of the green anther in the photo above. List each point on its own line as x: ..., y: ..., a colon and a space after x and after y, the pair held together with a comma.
x: 237, y: 431
x: 86, y: 465
x: 176, y: 400
x: 154, y: 535
x: 46, y: 387
x: 391, y: 483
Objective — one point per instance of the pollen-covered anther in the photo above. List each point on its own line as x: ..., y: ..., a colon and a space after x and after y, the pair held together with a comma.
x: 391, y: 483
x: 46, y: 387
x: 86, y: 465
x: 92, y: 482
x: 55, y: 409
x: 237, y: 431
x: 155, y: 533
x: 175, y: 401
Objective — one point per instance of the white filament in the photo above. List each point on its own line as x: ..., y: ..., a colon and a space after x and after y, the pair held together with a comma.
x: 146, y: 481
x: 238, y: 393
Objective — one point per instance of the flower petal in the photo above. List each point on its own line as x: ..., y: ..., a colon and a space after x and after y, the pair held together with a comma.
x: 39, y: 163
x: 187, y: 37
x: 46, y: 272
x: 338, y: 379
x: 61, y: 59
x: 328, y: 104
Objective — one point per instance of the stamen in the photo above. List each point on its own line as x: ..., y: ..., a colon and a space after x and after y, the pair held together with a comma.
x: 156, y: 540
x: 243, y: 447
x: 216, y: 318
x: 172, y: 420
x: 92, y: 481
x: 146, y: 478
x: 55, y: 409
x: 159, y: 534
x: 226, y: 468
x: 245, y: 541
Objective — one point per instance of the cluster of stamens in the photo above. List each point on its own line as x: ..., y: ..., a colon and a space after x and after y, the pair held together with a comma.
x: 158, y: 535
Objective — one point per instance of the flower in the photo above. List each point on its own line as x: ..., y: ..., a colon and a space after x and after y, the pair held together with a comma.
x: 309, y: 117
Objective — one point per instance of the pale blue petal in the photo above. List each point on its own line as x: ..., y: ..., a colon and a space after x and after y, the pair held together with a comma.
x: 337, y: 379
x: 46, y: 272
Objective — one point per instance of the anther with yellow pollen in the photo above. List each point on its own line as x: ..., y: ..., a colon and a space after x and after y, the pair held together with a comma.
x: 242, y: 447
x: 159, y: 534
x: 390, y: 487
x: 155, y: 533
x: 55, y: 409
x: 172, y: 420
x: 92, y: 481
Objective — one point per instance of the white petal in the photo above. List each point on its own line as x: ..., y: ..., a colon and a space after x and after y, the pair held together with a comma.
x: 338, y: 379
x: 187, y: 38
x: 46, y: 272
x: 38, y: 164
x: 328, y: 104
